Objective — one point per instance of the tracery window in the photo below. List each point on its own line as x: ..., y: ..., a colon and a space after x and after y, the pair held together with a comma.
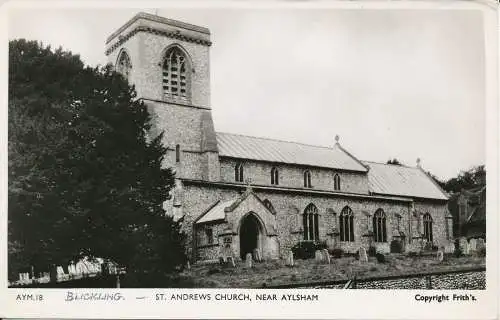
x: 310, y: 222
x: 336, y: 182
x: 307, y: 179
x: 275, y: 176
x: 379, y: 226
x: 238, y: 172
x: 176, y: 74
x: 124, y: 66
x: 346, y: 225
x: 427, y: 220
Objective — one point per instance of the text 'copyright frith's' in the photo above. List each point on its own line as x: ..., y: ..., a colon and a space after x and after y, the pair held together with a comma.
x: 439, y: 298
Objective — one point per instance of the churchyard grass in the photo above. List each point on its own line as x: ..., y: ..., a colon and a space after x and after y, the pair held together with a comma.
x: 275, y: 273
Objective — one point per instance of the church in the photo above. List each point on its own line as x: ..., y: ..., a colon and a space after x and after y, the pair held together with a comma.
x: 240, y: 194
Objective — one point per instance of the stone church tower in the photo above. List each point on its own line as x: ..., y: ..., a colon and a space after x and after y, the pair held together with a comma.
x: 168, y: 62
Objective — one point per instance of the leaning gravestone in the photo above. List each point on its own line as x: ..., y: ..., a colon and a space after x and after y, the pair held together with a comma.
x: 289, y: 259
x: 473, y: 245
x: 440, y: 256
x: 326, y: 255
x: 230, y: 259
x: 248, y: 260
x: 256, y: 255
x: 362, y: 255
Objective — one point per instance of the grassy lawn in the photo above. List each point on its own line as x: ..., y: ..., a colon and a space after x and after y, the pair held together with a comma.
x: 273, y: 273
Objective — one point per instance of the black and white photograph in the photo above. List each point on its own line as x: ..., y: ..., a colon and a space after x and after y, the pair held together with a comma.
x: 291, y: 147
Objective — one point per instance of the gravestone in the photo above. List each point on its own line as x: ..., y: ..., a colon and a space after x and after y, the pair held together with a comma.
x: 362, y: 255
x: 230, y: 259
x: 248, y: 260
x: 60, y: 273
x: 289, y: 259
x: 72, y: 269
x: 449, y: 248
x: 440, y: 256
x: 326, y: 255
x: 318, y: 256
x: 473, y: 245
x: 464, y: 245
x: 188, y: 265
x: 256, y: 255
x: 480, y: 244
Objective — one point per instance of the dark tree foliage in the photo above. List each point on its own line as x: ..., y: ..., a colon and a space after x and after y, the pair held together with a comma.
x: 84, y: 179
x: 394, y: 162
x: 472, y: 178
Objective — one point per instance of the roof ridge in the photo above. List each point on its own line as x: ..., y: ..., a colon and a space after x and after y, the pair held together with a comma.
x: 388, y: 164
x: 272, y: 139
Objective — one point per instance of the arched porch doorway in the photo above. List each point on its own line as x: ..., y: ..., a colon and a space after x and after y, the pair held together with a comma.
x: 250, y: 235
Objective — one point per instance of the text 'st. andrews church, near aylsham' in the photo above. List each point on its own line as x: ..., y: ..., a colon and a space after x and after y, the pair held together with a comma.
x: 237, y: 193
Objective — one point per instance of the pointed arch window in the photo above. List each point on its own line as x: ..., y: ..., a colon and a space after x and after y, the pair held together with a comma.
x: 346, y: 225
x: 176, y: 74
x: 336, y: 182
x: 275, y: 176
x: 310, y: 221
x: 379, y: 226
x: 427, y: 220
x: 307, y: 179
x: 238, y: 172
x: 124, y: 65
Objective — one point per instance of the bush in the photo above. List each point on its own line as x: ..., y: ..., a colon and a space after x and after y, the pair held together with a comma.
x: 396, y: 246
x: 306, y: 249
x: 434, y: 248
x: 481, y: 252
x: 413, y: 254
x: 380, y: 257
x: 372, y: 251
x: 337, y: 253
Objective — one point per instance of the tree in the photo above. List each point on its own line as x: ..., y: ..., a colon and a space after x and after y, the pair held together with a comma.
x: 84, y: 179
x: 469, y: 179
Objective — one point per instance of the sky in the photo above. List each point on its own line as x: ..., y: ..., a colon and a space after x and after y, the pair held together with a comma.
x: 402, y: 84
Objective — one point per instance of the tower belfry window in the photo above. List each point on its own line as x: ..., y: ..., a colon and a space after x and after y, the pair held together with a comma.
x: 175, y: 74
x: 124, y: 66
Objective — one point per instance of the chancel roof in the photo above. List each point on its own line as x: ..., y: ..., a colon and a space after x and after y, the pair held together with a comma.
x: 263, y: 149
x: 399, y: 180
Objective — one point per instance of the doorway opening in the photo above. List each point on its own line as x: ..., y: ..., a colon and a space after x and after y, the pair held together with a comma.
x: 250, y: 235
